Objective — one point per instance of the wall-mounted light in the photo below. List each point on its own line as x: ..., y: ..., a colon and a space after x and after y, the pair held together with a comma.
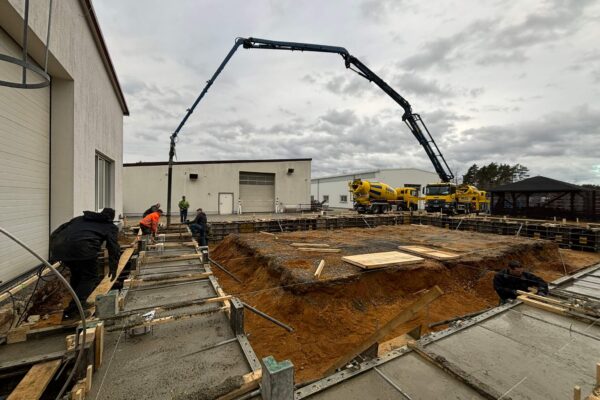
x: 290, y: 171
x: 193, y: 177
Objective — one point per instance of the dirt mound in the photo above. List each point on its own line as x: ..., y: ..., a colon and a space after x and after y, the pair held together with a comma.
x: 331, y: 315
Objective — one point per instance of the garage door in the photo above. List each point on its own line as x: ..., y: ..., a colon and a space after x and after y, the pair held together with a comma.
x: 24, y: 167
x: 257, y: 192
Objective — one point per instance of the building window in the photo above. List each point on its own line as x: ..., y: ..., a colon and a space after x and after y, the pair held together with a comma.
x: 312, y: 198
x: 104, y: 170
x: 325, y: 198
x: 343, y: 198
x: 256, y: 178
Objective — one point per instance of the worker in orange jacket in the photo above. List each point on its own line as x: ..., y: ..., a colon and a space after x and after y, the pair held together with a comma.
x: 149, y: 224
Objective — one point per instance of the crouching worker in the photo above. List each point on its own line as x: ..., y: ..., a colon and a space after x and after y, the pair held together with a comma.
x: 149, y: 224
x: 77, y: 243
x: 199, y: 227
x: 513, y: 278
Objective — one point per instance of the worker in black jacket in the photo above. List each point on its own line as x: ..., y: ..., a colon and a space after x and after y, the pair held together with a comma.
x: 77, y: 243
x: 199, y: 227
x: 513, y: 278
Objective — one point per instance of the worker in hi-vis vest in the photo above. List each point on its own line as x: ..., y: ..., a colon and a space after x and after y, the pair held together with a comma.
x: 183, y: 208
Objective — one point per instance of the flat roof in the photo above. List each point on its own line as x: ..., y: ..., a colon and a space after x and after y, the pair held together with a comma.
x: 372, y: 171
x: 155, y: 163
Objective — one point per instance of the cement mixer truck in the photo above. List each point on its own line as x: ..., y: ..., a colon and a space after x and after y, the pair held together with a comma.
x: 377, y: 197
x: 450, y: 198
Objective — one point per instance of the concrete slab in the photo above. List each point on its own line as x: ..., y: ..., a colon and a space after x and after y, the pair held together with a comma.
x: 160, y: 365
x: 519, y: 369
x: 366, y: 386
x: 154, y: 297
x: 422, y: 380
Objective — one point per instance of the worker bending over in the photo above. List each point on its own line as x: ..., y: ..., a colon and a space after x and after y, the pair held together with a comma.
x: 513, y: 278
x: 199, y: 226
x: 77, y: 243
x: 149, y: 224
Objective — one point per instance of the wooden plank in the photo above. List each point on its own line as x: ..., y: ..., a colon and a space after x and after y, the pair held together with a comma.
x: 250, y: 382
x: 320, y: 269
x: 309, y: 245
x: 429, y: 252
x: 99, y: 347
x: 34, y: 383
x: 543, y: 306
x: 107, y: 283
x: 166, y: 279
x: 319, y: 250
x: 404, y: 316
x: 88, y: 378
x: 167, y: 257
x: 380, y: 260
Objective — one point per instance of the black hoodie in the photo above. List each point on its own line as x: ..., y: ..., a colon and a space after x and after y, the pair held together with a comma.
x: 81, y: 239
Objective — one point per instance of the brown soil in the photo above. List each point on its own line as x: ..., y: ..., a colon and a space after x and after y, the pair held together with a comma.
x: 331, y: 315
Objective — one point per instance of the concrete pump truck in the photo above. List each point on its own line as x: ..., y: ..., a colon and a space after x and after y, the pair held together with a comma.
x: 412, y: 120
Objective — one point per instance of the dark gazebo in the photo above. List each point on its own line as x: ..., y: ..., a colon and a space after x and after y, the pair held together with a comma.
x: 541, y: 197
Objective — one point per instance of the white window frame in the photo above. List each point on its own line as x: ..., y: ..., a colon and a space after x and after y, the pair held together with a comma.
x: 103, y: 183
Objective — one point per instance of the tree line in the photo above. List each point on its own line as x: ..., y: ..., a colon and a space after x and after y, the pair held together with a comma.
x: 492, y: 175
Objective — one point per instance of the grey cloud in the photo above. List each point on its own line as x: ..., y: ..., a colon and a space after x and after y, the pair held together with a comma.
x: 411, y: 83
x: 378, y: 10
x: 334, y: 117
x: 496, y: 41
x: 347, y: 85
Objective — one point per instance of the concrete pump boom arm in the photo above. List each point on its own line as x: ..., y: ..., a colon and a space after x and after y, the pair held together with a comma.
x: 413, y: 121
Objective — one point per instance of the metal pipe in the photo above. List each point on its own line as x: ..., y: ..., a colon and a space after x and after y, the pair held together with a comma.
x: 224, y: 270
x: 212, y: 346
x: 469, y: 315
x: 25, y: 40
x: 75, y: 299
x: 268, y: 317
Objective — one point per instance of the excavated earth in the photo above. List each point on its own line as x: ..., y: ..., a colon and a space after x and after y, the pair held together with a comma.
x: 330, y: 315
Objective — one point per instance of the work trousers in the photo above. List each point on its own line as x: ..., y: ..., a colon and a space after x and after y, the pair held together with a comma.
x: 145, y: 230
x: 199, y: 231
x: 183, y: 214
x: 84, y: 279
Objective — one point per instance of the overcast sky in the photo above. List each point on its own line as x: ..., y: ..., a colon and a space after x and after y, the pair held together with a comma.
x: 510, y: 82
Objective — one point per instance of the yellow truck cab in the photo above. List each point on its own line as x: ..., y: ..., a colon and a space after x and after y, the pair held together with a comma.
x: 408, y: 198
x: 450, y: 198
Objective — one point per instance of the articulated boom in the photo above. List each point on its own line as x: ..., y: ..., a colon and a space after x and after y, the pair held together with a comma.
x: 413, y: 121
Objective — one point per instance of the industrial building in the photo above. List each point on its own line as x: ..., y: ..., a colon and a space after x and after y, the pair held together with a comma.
x: 62, y: 144
x: 333, y: 190
x: 220, y: 187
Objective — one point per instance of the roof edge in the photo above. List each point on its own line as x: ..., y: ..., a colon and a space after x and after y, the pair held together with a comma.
x: 92, y: 20
x: 157, y: 163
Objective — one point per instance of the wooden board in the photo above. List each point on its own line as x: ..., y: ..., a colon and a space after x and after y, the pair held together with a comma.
x: 380, y: 260
x: 34, y: 383
x: 405, y: 315
x: 309, y: 245
x: 429, y: 252
x: 318, y: 250
x: 107, y: 283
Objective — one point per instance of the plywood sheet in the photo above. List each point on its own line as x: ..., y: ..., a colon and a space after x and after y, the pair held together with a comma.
x: 429, y: 252
x: 380, y: 260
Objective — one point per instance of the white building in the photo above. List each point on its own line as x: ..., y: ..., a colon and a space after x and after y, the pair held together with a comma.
x: 219, y: 187
x: 61, y: 145
x: 335, y: 192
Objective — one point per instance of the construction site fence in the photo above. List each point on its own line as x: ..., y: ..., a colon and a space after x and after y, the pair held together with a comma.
x: 566, y: 236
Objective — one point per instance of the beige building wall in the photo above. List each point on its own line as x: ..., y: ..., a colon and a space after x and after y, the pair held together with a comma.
x: 87, y: 112
x: 145, y: 184
x: 86, y: 106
